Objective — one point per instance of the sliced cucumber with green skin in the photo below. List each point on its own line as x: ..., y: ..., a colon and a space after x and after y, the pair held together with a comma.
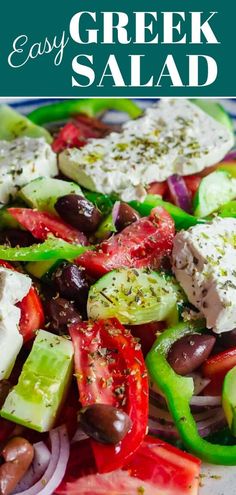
x: 216, y: 111
x: 6, y: 219
x: 229, y: 399
x: 13, y: 125
x: 105, y: 228
x: 43, y: 383
x: 42, y: 269
x: 215, y: 189
x: 134, y: 296
x: 228, y: 167
x: 43, y: 193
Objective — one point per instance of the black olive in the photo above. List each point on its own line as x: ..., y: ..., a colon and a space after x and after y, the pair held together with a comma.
x: 105, y: 423
x: 125, y: 215
x: 189, y: 352
x: 16, y: 237
x: 79, y: 212
x: 71, y: 282
x: 61, y: 314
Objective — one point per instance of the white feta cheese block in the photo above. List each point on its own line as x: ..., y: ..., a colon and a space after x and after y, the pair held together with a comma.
x: 10, y: 339
x: 204, y: 263
x: 23, y: 160
x: 14, y: 286
x: 173, y: 136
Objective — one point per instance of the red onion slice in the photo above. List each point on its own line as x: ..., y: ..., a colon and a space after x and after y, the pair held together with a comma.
x: 205, y: 400
x: 55, y: 471
x: 179, y: 192
x: 37, y: 469
x: 199, y: 382
x: 230, y: 156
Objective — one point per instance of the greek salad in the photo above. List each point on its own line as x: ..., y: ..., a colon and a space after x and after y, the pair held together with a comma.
x: 117, y: 297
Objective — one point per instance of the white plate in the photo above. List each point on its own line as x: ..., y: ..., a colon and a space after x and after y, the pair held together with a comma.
x: 216, y: 480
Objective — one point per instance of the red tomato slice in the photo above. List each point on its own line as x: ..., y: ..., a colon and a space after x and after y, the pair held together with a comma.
x: 117, y: 376
x: 192, y: 182
x: 69, y: 137
x: 159, y: 188
x: 42, y: 224
x: 143, y: 244
x: 155, y: 468
x: 219, y: 364
x: 147, y: 334
x: 32, y: 314
x: 75, y: 134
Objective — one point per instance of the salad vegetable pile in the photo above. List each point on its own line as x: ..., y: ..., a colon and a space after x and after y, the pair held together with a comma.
x: 117, y: 297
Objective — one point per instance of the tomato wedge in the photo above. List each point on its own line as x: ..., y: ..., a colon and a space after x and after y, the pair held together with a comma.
x: 155, y: 468
x: 42, y: 224
x: 145, y: 243
x: 75, y: 134
x: 159, y: 188
x: 216, y: 367
x: 32, y: 314
x: 110, y: 369
x: 192, y: 182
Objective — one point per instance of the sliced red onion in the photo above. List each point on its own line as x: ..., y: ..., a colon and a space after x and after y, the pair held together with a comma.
x: 37, y: 468
x: 157, y: 428
x: 210, y: 421
x: 199, y: 382
x: 205, y: 400
x: 55, y: 471
x: 79, y: 435
x: 230, y: 156
x: 115, y: 211
x: 179, y: 192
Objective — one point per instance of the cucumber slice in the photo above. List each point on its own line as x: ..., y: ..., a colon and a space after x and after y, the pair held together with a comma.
x: 229, y: 399
x: 6, y: 220
x: 13, y: 125
x: 43, y: 193
x: 216, y: 111
x: 134, y: 296
x: 215, y: 190
x: 105, y: 228
x: 42, y: 269
x: 43, y: 383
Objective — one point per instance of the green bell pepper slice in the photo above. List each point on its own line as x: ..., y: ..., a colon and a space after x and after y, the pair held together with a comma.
x: 103, y: 202
x: 178, y: 391
x: 52, y: 248
x: 62, y: 110
x: 228, y: 210
x: 182, y: 219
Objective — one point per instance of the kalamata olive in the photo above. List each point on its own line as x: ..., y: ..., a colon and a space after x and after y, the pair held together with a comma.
x: 61, y: 314
x: 105, y: 423
x: 228, y: 339
x: 16, y: 237
x: 79, y: 212
x: 71, y: 283
x: 18, y: 454
x: 124, y: 215
x: 189, y: 352
x: 5, y: 387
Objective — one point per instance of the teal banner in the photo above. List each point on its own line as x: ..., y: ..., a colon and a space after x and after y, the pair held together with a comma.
x: 101, y: 48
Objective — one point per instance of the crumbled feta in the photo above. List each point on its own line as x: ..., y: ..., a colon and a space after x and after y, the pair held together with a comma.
x: 23, y: 160
x: 14, y: 286
x: 204, y: 263
x: 173, y: 136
